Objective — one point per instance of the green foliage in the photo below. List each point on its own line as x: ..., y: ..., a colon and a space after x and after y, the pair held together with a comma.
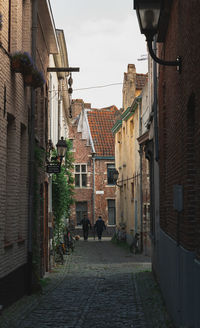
x: 62, y: 194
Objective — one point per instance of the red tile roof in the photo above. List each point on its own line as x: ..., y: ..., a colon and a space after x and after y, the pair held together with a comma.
x: 141, y: 80
x: 101, y: 122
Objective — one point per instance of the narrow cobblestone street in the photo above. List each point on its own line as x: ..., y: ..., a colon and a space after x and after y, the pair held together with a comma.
x: 100, y: 285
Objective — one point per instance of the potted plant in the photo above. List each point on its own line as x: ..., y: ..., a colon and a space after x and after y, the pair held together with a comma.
x: 38, y: 79
x: 21, y: 62
x: 16, y: 62
x: 27, y: 63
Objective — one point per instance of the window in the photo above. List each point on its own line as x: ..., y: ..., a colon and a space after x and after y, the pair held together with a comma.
x: 132, y: 190
x: 110, y: 171
x: 80, y: 175
x: 111, y: 212
x: 81, y: 210
x: 71, y: 143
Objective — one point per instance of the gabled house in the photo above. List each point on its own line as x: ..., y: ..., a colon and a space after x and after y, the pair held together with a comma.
x: 94, y: 162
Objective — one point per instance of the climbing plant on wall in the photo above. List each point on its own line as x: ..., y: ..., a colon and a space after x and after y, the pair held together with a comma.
x: 62, y: 194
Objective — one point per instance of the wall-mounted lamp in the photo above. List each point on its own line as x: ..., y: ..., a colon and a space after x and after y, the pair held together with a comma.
x: 70, y: 82
x: 61, y: 148
x: 115, y: 177
x: 148, y: 13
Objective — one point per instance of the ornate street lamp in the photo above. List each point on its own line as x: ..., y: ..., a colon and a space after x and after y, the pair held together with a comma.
x: 148, y: 13
x: 115, y: 177
x: 61, y: 148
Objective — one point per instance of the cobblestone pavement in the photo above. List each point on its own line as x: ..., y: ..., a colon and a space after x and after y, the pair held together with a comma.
x: 100, y: 285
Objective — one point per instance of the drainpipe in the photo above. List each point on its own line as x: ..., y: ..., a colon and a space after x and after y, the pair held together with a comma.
x: 141, y: 189
x: 93, y: 194
x: 59, y: 106
x: 31, y: 152
x: 155, y: 105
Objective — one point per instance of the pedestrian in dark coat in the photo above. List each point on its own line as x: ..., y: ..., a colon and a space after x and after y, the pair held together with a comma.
x: 99, y: 226
x: 85, y: 225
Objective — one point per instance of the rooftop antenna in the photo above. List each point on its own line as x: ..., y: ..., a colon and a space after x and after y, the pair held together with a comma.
x: 143, y: 57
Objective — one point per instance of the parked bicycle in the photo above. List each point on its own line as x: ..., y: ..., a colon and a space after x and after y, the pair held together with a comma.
x: 59, y: 252
x: 69, y: 241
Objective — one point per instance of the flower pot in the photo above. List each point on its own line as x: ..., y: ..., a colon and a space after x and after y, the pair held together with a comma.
x: 16, y: 65
x: 28, y: 79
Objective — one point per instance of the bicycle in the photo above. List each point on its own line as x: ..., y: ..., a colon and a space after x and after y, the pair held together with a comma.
x: 59, y: 252
x: 69, y: 241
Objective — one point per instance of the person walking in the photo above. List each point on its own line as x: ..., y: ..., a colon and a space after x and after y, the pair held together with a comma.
x: 99, y: 226
x: 85, y: 226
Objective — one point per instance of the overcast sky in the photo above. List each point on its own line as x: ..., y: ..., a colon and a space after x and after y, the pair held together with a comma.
x: 102, y: 38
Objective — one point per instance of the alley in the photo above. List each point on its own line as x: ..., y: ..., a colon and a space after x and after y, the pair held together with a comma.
x: 100, y: 285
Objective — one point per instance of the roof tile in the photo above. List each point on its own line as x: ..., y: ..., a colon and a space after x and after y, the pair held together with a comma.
x: 101, y: 122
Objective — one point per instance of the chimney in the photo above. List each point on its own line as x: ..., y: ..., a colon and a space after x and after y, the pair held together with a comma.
x: 129, y: 86
x: 77, y: 106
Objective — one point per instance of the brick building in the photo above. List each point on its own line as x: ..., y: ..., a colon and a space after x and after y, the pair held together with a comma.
x: 175, y: 164
x: 26, y: 26
x: 94, y: 161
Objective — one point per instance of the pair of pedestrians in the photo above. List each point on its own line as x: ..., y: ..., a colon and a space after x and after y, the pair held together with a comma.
x: 99, y: 227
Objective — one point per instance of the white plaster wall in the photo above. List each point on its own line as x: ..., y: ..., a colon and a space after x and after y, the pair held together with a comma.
x: 53, y: 103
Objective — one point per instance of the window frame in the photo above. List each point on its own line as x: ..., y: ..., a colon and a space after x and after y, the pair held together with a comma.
x: 80, y: 174
x: 112, y: 207
x: 113, y: 168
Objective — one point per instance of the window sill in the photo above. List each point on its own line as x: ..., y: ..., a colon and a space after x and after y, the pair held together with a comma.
x: 20, y: 241
x: 82, y: 188
x: 8, y: 244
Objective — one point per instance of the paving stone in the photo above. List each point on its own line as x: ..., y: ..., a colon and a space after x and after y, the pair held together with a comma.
x: 100, y: 285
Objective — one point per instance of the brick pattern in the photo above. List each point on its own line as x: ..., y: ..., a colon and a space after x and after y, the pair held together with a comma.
x: 179, y: 118
x: 83, y: 155
x: 14, y: 103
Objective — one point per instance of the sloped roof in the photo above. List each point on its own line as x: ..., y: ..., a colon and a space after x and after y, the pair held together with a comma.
x: 101, y: 122
x: 141, y: 80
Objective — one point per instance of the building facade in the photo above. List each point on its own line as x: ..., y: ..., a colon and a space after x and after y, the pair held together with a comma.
x: 172, y: 150
x: 58, y: 119
x: 94, y: 161
x: 26, y: 30
x: 130, y: 165
x: 179, y: 139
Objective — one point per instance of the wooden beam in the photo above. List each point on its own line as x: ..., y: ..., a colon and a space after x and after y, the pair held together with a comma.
x: 63, y: 69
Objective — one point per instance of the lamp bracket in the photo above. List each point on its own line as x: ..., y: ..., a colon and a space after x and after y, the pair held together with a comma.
x: 177, y: 62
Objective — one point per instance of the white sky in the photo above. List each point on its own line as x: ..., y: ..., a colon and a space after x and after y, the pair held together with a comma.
x: 102, y: 38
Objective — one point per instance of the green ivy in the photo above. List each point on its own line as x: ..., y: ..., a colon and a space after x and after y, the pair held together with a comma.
x: 62, y: 194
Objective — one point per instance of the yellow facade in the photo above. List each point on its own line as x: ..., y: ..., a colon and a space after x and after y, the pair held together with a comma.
x: 128, y: 166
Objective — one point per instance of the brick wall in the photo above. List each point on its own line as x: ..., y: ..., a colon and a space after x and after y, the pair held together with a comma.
x: 83, y: 155
x: 179, y: 126
x: 14, y: 104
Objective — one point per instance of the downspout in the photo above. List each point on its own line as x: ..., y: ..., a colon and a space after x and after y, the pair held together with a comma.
x: 141, y: 189
x: 93, y: 158
x: 155, y: 105
x: 59, y: 106
x: 31, y: 151
x: 93, y: 191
